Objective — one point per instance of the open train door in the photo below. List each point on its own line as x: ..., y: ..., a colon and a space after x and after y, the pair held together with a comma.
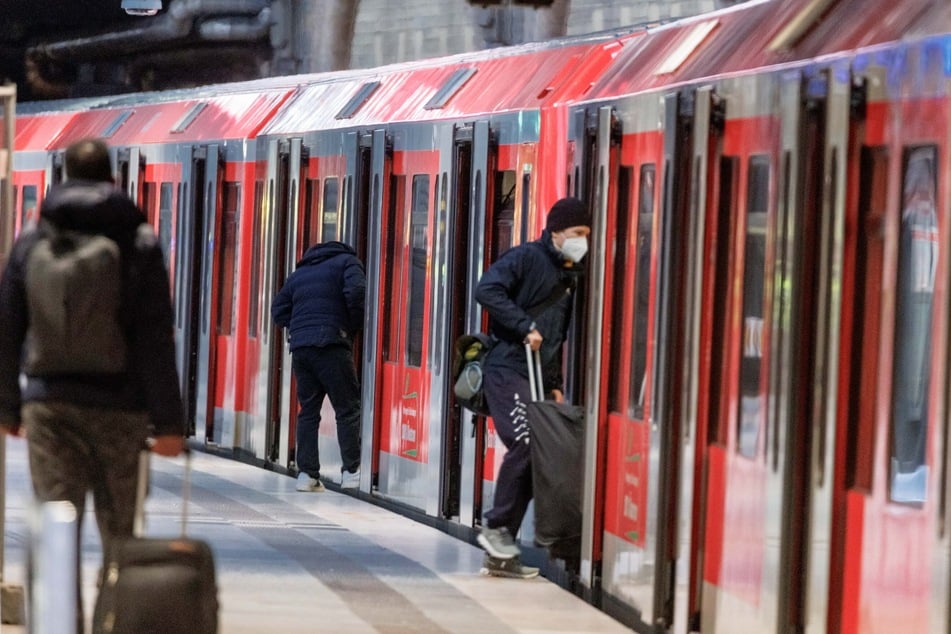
x: 194, y: 302
x: 465, y: 433
x: 377, y: 159
x: 130, y: 165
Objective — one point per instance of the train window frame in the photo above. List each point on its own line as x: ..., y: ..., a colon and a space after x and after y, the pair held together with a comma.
x: 914, y: 489
x: 640, y: 298
x: 419, y: 229
x: 752, y: 373
x: 227, y: 255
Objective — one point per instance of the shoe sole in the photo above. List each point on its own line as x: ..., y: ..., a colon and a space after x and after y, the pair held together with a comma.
x: 314, y: 489
x: 487, y: 547
x: 508, y: 575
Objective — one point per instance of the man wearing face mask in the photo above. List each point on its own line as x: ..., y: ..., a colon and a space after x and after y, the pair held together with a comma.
x: 528, y: 295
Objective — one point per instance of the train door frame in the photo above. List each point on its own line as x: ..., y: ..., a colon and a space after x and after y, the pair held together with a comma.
x: 462, y: 481
x: 379, y: 146
x: 193, y: 302
x: 285, y: 401
x: 131, y: 180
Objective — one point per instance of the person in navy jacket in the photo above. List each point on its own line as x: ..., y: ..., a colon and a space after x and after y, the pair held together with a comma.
x: 527, y: 293
x: 322, y: 305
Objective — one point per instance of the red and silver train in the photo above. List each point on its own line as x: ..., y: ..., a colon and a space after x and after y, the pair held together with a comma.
x: 762, y: 341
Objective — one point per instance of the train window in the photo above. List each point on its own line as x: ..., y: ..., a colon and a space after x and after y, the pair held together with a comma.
x: 28, y: 210
x: 645, y: 224
x: 619, y: 288
x: 165, y: 220
x: 392, y: 268
x: 328, y: 228
x: 456, y: 81
x: 914, y: 297
x: 439, y: 282
x: 359, y: 98
x: 419, y: 230
x: 504, y: 228
x: 526, y: 187
x: 255, y: 268
x: 116, y: 123
x: 309, y: 225
x: 188, y: 118
x: 752, y: 400
x: 228, y: 240
x: 872, y: 189
x: 148, y: 201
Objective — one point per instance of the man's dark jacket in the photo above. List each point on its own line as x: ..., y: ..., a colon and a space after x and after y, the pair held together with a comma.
x: 150, y: 382
x: 323, y: 300
x: 522, y: 279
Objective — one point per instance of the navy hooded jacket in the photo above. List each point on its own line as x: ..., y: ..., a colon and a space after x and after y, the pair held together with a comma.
x: 521, y: 280
x: 150, y: 382
x: 323, y: 300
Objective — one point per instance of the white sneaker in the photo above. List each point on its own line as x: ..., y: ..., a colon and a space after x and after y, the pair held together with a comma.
x: 350, y: 480
x: 308, y: 484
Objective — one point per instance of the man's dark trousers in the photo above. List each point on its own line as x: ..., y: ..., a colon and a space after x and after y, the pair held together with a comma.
x: 507, y: 393
x: 320, y: 372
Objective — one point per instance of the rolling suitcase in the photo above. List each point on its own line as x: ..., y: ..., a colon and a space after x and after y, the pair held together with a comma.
x: 161, y: 585
x: 557, y: 441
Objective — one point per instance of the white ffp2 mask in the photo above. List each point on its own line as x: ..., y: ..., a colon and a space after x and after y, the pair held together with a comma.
x: 574, y: 248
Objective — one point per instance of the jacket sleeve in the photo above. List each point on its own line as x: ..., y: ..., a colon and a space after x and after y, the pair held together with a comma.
x: 281, y: 305
x: 497, y: 288
x: 153, y: 341
x: 14, y: 316
x: 355, y: 293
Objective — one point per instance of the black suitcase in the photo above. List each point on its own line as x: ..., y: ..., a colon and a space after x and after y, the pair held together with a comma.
x: 557, y: 442
x: 160, y: 585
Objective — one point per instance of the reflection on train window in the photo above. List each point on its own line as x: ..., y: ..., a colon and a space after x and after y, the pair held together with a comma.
x: 642, y: 284
x: 619, y: 288
x: 752, y: 400
x: 914, y: 298
x: 328, y: 228
x: 418, y: 233
x: 256, y: 266
x: 28, y: 210
x: 392, y: 268
x: 227, y: 240
x: 309, y: 224
x: 165, y: 219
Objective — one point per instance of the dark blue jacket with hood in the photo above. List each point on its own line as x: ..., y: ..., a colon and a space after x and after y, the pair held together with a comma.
x: 323, y: 300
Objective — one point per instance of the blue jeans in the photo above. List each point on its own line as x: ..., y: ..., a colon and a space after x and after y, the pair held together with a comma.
x: 320, y: 372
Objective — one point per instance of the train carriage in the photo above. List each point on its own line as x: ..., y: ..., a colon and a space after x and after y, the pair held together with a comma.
x: 761, y: 341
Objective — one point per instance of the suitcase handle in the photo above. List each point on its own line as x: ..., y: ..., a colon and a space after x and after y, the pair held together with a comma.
x: 142, y: 490
x: 536, y: 383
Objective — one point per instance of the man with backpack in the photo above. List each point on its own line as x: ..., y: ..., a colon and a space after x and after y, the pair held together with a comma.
x: 87, y: 318
x: 527, y: 294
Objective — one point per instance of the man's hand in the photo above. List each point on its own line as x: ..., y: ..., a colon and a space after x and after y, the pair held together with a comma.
x: 558, y: 396
x: 534, y: 338
x: 170, y: 445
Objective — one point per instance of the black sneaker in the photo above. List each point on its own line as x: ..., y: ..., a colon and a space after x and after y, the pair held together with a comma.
x: 498, y: 542
x: 511, y: 568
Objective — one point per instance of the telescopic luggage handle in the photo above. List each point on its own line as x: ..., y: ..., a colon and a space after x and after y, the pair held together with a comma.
x: 536, y: 383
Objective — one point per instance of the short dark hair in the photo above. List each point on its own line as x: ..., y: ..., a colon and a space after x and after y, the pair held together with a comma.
x: 88, y: 159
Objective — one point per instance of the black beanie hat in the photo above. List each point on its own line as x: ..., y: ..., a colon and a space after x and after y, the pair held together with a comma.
x: 567, y: 212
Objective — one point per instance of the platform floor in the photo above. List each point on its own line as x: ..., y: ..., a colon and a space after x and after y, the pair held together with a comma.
x: 310, y: 563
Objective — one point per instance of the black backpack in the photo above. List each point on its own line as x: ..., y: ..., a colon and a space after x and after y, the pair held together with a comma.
x: 74, y: 289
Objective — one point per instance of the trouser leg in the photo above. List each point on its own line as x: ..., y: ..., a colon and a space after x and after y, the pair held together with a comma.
x: 339, y: 376
x: 310, y: 395
x: 507, y: 393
